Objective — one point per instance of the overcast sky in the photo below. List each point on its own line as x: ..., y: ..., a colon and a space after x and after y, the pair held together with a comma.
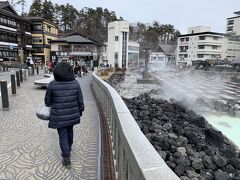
x: 180, y: 13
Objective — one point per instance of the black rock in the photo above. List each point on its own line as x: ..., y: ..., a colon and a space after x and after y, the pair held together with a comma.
x: 171, y: 164
x: 197, y: 164
x: 214, y: 137
x: 180, y: 169
x: 208, y: 162
x: 235, y: 162
x: 220, y: 175
x: 162, y: 154
x: 219, y: 160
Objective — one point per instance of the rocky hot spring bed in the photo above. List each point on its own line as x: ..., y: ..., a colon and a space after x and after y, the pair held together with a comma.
x: 190, y: 146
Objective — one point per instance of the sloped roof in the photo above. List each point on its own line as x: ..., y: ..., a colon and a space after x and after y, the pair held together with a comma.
x: 75, y: 38
x: 4, y: 5
x: 167, y: 49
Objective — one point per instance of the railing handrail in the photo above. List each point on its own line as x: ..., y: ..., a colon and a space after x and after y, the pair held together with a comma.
x: 135, y: 157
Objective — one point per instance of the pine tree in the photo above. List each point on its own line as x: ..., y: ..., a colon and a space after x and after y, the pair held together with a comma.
x: 35, y: 9
x: 48, y: 10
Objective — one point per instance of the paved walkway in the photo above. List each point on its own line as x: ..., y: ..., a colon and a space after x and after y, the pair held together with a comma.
x: 30, y: 150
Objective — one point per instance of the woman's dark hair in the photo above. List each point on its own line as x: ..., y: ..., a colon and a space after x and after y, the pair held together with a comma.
x: 63, y: 72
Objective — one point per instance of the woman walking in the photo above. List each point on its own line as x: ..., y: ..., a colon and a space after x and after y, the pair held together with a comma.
x: 64, y: 95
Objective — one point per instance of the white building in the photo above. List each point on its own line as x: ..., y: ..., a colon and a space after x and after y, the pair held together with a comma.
x: 163, y: 53
x: 202, y: 44
x: 117, y: 50
x: 233, y: 24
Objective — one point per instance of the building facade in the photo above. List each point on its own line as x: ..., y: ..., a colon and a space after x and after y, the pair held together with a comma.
x: 233, y: 24
x: 15, y: 34
x: 163, y: 53
x: 43, y: 32
x: 117, y: 50
x: 133, y: 54
x: 200, y: 44
x: 75, y: 47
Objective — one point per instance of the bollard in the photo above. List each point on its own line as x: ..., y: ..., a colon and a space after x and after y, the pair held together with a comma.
x: 13, y: 84
x: 33, y: 71
x: 4, y: 91
x: 18, y: 78
x: 37, y: 70
x: 6, y: 68
x: 21, y: 75
x: 3, y: 68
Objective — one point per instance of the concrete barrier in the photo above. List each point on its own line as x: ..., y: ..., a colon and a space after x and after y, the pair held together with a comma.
x: 135, y: 157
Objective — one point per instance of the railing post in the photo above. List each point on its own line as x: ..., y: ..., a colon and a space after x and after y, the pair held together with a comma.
x: 13, y: 84
x: 4, y: 92
x: 18, y: 78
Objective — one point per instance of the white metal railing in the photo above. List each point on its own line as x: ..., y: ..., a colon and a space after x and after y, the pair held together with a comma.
x: 134, y: 156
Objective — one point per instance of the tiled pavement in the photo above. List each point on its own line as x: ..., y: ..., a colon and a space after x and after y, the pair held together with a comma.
x: 30, y: 150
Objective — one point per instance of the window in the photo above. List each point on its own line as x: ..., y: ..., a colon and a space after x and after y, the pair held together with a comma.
x: 201, y: 47
x: 187, y: 39
x: 192, y: 31
x: 49, y: 28
x: 124, y: 48
x: 49, y: 41
x: 185, y: 55
x: 202, y: 37
x: 200, y: 55
x: 215, y: 38
x: 230, y: 28
x: 230, y: 22
x: 116, y: 38
x: 37, y: 27
x: 37, y: 39
x: 214, y: 47
x: 181, y: 39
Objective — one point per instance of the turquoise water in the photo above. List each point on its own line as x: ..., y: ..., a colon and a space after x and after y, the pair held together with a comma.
x: 229, y: 126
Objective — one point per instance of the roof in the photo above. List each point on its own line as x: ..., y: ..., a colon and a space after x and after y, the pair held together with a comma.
x: 4, y: 5
x: 203, y: 33
x: 75, y: 38
x: 166, y: 48
x: 35, y: 18
x: 7, y: 10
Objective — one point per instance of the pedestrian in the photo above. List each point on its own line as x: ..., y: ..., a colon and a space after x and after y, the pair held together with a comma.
x: 64, y: 96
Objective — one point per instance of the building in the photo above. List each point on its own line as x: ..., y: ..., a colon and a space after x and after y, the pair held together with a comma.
x: 233, y: 24
x: 75, y: 47
x: 43, y: 32
x: 200, y: 44
x: 163, y: 53
x: 117, y: 50
x: 133, y: 54
x: 15, y: 34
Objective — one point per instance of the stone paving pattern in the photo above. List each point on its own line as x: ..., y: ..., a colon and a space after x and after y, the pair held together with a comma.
x: 202, y: 85
x: 30, y: 150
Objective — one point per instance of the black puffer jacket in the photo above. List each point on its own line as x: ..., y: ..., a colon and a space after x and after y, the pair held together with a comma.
x: 66, y: 101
